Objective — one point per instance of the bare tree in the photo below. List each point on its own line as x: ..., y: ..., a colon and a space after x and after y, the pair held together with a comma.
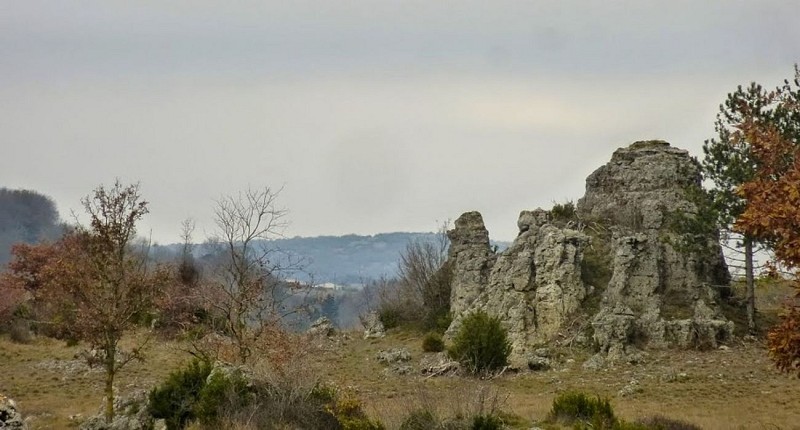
x: 421, y: 293
x: 249, y: 292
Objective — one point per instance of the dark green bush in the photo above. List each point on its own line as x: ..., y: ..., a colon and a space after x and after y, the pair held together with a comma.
x: 390, y: 316
x: 481, y: 343
x: 222, y: 392
x: 578, y: 407
x: 487, y: 422
x: 562, y: 214
x: 432, y: 342
x: 420, y: 419
x: 175, y: 400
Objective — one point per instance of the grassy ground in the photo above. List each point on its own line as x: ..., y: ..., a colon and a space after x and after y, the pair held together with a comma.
x: 734, y: 388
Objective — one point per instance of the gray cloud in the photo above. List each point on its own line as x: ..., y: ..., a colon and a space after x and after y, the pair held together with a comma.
x: 376, y: 116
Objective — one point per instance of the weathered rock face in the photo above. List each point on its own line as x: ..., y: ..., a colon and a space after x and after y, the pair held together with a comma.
x: 533, y: 287
x: 657, y: 294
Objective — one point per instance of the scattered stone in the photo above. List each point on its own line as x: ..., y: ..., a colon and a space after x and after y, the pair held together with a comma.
x: 67, y: 368
x: 630, y: 389
x: 322, y: 327
x: 674, y: 377
x: 373, y: 327
x: 537, y: 364
x: 130, y: 413
x: 438, y: 364
x: 10, y: 417
x: 394, y: 355
x: 595, y: 362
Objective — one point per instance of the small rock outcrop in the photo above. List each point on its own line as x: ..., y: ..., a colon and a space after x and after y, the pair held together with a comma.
x: 658, y: 294
x: 373, y: 327
x: 534, y: 286
x: 130, y: 413
x: 10, y: 418
x: 322, y: 327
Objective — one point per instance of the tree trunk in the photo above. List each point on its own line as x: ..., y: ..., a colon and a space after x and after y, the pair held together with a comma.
x: 750, y: 283
x: 111, y: 370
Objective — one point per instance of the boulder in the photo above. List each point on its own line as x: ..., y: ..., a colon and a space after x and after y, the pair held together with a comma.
x: 373, y: 327
x: 10, y: 417
x: 322, y: 327
x: 130, y: 413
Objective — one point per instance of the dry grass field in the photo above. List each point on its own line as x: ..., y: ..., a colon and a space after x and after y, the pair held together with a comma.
x: 731, y: 388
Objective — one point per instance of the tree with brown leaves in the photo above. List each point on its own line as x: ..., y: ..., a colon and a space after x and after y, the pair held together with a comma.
x: 95, y: 279
x: 772, y: 196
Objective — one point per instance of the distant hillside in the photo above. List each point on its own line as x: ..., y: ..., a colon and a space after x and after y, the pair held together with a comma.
x: 346, y: 260
x: 351, y: 259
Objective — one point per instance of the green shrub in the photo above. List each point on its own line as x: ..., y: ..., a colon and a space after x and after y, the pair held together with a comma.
x: 578, y: 407
x: 175, y: 400
x: 420, y: 419
x: 487, y: 422
x: 350, y: 415
x: 221, y: 392
x: 562, y: 214
x: 390, y: 316
x: 481, y: 343
x: 432, y: 342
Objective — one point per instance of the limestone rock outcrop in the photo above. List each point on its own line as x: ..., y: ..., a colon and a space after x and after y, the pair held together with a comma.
x: 534, y: 286
x: 658, y: 295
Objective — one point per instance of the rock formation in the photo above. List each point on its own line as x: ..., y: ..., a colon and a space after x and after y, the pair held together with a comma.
x: 658, y: 294
x: 534, y: 286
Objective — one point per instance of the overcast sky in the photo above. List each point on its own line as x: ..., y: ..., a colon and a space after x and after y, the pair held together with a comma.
x: 374, y: 116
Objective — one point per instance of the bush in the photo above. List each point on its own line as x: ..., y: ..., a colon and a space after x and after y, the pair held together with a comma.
x: 420, y: 419
x: 390, y: 315
x: 175, y: 400
x: 481, y: 343
x: 20, y: 332
x: 351, y: 416
x: 432, y: 342
x: 562, y: 214
x: 222, y: 393
x: 571, y: 407
x: 487, y: 422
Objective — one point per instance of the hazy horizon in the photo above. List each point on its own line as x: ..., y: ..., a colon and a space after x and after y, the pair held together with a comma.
x: 373, y: 116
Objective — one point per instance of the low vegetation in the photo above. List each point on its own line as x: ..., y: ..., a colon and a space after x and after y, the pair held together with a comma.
x: 481, y: 343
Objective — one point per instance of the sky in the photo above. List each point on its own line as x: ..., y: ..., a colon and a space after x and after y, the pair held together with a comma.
x: 372, y: 116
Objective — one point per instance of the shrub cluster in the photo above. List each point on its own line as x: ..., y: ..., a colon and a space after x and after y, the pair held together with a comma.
x: 210, y: 399
x: 481, y: 343
x: 432, y: 342
x: 424, y: 419
x: 584, y: 413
